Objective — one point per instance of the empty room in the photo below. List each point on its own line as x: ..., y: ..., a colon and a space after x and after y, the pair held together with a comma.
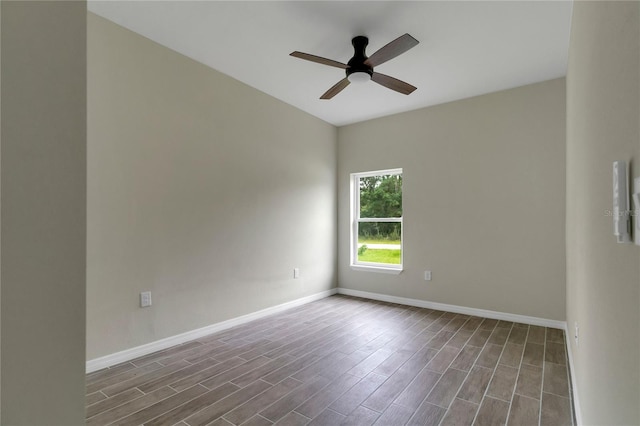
x: 319, y: 213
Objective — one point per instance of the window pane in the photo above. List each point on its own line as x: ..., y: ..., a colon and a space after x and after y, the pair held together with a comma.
x: 379, y: 242
x: 381, y: 196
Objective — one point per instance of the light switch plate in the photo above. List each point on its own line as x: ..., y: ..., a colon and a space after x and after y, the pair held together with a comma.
x: 145, y: 299
x: 635, y: 211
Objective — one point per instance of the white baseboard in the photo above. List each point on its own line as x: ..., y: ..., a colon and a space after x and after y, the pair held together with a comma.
x: 574, y: 386
x: 129, y: 354
x: 455, y: 308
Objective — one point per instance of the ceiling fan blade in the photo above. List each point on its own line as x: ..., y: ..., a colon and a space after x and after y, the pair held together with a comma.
x: 391, y: 50
x: 318, y: 59
x: 337, y: 88
x: 393, y: 83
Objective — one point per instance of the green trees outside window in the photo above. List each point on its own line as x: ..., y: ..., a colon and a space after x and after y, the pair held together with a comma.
x: 379, y: 218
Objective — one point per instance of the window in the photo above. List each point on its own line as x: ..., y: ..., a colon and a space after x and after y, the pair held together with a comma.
x: 376, y: 221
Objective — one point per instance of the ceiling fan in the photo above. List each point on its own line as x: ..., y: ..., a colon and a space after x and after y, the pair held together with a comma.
x: 360, y: 67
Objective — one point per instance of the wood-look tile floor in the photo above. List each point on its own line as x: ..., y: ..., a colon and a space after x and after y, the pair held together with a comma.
x: 345, y: 360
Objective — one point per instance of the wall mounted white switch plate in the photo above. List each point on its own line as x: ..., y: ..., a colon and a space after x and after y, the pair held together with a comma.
x: 621, y: 207
x: 145, y: 299
x: 296, y: 272
x: 427, y: 275
x: 635, y: 211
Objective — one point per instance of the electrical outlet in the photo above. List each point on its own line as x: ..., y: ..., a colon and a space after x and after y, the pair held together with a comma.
x: 296, y: 272
x: 427, y: 275
x: 145, y: 299
x: 576, y: 333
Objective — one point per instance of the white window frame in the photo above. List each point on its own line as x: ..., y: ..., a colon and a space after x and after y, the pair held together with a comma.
x: 356, y: 219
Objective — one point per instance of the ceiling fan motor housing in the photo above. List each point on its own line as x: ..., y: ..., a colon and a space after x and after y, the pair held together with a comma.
x: 357, y: 63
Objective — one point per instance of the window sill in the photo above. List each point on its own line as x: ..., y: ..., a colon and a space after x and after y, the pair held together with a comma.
x: 379, y: 269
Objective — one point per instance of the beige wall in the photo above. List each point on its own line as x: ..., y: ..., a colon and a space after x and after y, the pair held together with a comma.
x: 200, y: 189
x: 483, y: 195
x: 43, y: 175
x: 603, y: 277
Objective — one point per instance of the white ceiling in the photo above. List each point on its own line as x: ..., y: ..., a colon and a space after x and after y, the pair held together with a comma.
x: 466, y: 48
